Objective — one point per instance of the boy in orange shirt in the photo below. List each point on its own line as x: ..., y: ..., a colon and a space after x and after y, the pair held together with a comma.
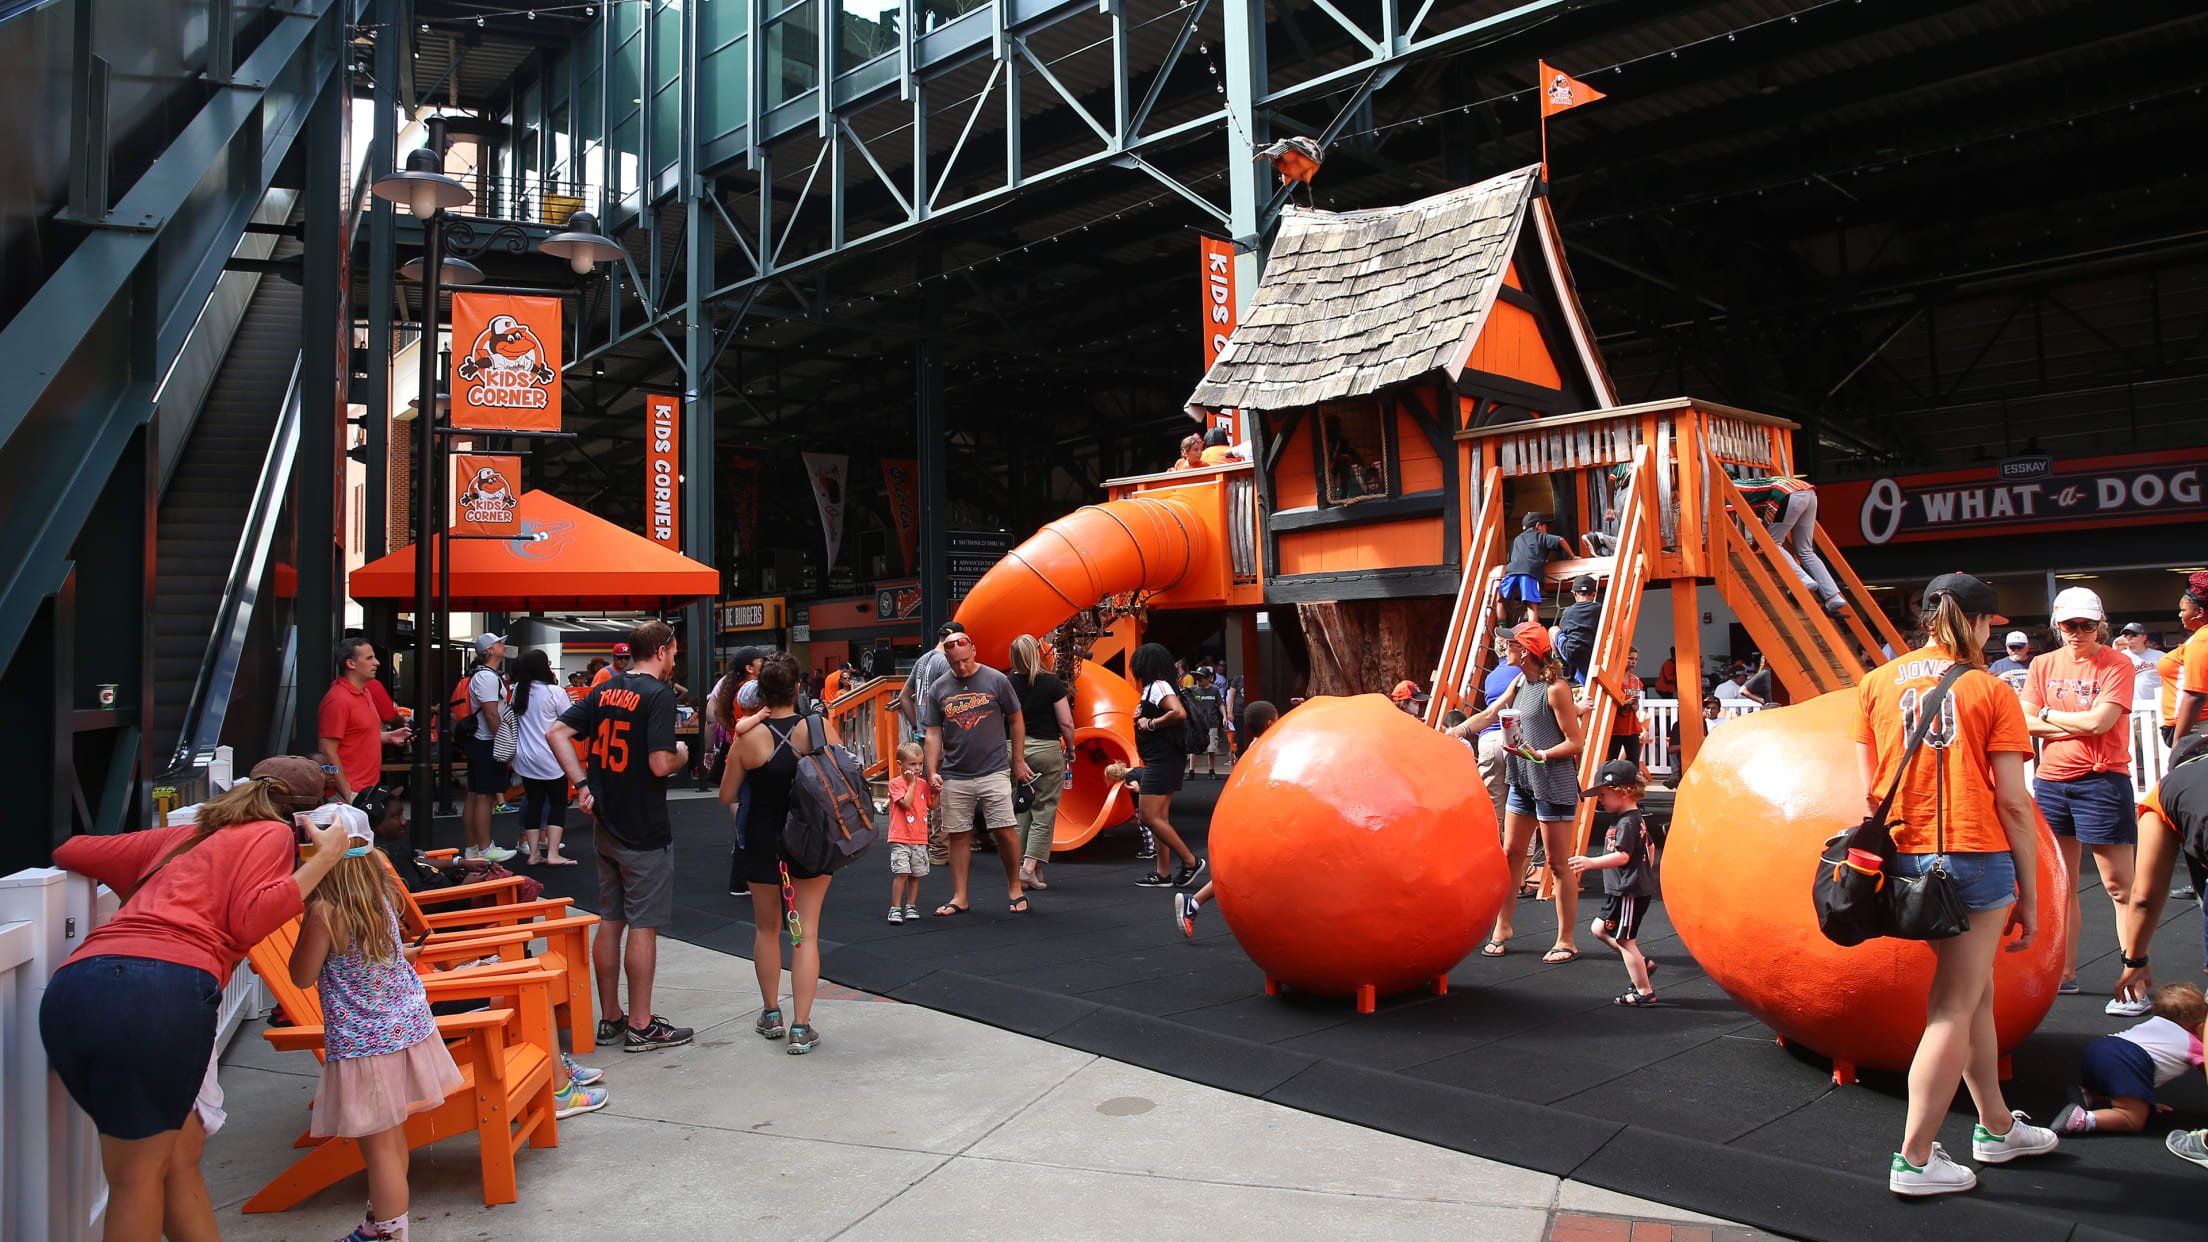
x: 2075, y: 701
x: 908, y: 834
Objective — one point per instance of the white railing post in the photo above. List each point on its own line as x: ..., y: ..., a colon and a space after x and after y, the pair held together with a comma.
x: 52, y: 1187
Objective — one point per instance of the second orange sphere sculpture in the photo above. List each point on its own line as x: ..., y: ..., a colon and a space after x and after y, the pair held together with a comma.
x: 1763, y: 795
x: 1354, y: 851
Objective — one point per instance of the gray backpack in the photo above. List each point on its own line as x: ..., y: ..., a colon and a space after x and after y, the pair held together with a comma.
x: 831, y: 820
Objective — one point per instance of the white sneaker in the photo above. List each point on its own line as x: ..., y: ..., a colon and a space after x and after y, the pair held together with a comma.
x: 496, y: 854
x: 2122, y: 1008
x: 2023, y: 1139
x: 1939, y: 1176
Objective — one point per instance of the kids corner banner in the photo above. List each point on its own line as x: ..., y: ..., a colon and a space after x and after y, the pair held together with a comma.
x: 663, y: 470
x: 902, y: 476
x: 1218, y: 259
x: 506, y: 366
x: 484, y: 488
x: 827, y: 471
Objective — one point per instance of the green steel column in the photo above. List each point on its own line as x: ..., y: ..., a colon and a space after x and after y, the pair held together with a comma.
x: 699, y: 470
x: 935, y: 507
x: 382, y: 271
x: 1248, y: 184
x: 318, y: 478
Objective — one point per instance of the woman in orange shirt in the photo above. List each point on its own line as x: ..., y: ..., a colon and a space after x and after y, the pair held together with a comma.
x: 1965, y: 793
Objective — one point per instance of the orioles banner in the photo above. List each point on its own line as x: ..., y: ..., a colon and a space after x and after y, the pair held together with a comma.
x: 484, y: 489
x: 508, y: 374
x: 663, y: 471
x: 902, y: 475
x: 1218, y: 258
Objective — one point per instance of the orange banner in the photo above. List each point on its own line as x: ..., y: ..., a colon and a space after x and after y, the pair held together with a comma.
x: 507, y: 378
x: 902, y: 475
x: 663, y: 470
x: 484, y: 487
x: 1218, y: 296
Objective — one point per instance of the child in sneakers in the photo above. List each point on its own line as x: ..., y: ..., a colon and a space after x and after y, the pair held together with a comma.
x: 908, y: 834
x: 1256, y: 718
x: 384, y: 1058
x: 1131, y: 778
x: 1628, y: 864
x: 2120, y: 1072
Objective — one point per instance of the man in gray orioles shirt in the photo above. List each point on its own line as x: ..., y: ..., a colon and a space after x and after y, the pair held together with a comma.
x: 971, y: 713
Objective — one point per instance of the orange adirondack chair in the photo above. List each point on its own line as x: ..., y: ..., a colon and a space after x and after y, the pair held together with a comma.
x: 491, y: 929
x: 509, y: 1065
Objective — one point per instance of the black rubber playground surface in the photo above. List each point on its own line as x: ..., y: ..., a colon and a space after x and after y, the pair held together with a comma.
x: 1690, y: 1103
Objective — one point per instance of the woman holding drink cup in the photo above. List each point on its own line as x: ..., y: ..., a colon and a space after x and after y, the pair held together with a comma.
x: 1542, y: 733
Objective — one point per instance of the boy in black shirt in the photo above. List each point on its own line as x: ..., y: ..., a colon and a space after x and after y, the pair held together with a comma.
x: 1628, y: 857
x: 1575, y: 627
x: 1530, y: 554
x: 625, y: 727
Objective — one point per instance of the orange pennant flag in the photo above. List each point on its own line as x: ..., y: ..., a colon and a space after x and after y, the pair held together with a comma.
x: 1561, y: 92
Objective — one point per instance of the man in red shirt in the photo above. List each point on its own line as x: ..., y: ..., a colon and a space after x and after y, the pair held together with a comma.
x: 350, y: 721
x: 620, y: 664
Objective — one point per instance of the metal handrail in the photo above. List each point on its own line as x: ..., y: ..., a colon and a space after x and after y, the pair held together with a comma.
x: 218, y: 670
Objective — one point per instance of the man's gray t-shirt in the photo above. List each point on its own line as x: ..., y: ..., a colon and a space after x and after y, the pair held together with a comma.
x: 972, y: 712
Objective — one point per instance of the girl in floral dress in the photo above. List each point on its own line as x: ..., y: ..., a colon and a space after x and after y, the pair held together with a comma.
x: 385, y: 1061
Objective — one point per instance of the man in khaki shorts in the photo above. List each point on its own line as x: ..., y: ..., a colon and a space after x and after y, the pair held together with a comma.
x: 970, y: 713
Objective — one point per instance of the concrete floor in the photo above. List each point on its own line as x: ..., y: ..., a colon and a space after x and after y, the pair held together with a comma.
x: 907, y: 1123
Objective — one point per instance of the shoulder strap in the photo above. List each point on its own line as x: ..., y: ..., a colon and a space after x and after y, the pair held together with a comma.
x: 1927, y: 712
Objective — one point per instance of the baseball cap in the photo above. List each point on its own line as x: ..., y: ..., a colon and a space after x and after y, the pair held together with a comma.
x: 1585, y: 584
x: 2134, y: 628
x: 2016, y: 638
x: 2078, y: 604
x: 950, y: 628
x: 484, y: 642
x: 620, y: 651
x: 1404, y: 690
x: 1973, y: 596
x: 1533, y: 636
x: 1532, y: 520
x: 1616, y: 774
x: 300, y: 777
x: 360, y: 835
x: 745, y: 655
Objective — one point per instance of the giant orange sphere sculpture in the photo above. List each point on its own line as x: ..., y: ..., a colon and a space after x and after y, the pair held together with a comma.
x: 1354, y: 851
x: 1757, y: 803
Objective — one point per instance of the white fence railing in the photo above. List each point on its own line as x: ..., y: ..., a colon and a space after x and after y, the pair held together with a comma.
x: 50, y: 1181
x: 2149, y: 757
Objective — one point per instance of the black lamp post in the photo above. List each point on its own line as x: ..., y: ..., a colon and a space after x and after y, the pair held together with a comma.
x: 425, y: 190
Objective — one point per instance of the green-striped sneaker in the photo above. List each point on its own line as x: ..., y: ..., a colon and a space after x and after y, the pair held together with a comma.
x: 1938, y: 1175
x: 2023, y: 1139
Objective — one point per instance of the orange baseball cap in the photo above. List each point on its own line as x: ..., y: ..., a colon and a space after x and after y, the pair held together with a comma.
x: 1404, y: 690
x: 1533, y: 636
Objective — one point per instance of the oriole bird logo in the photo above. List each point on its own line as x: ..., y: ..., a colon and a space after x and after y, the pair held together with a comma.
x: 507, y: 344
x: 488, y: 487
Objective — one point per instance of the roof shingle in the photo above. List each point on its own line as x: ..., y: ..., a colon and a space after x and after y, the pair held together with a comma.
x: 1356, y: 301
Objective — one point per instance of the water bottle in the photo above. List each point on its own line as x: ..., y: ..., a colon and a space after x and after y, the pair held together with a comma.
x: 1068, y: 786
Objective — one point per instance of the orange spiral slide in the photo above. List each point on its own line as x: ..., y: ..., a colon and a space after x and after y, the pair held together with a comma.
x: 1146, y: 544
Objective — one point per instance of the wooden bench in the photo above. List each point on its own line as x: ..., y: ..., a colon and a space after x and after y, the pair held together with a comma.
x: 509, y: 1067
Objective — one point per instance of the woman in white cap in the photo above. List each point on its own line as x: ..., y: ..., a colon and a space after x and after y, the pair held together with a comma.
x: 2075, y: 700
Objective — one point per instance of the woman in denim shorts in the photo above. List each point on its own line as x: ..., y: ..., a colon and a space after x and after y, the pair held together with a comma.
x: 1963, y: 804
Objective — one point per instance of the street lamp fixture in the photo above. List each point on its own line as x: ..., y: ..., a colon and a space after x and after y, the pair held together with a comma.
x: 451, y: 272
x: 582, y: 245
x: 414, y: 409
x: 423, y: 188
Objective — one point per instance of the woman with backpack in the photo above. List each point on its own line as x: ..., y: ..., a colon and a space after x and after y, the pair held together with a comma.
x: 1161, y: 739
x: 765, y: 761
x: 1964, y: 807
x: 129, y: 1020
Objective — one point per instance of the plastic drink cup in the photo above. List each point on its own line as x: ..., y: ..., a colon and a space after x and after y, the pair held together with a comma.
x: 1512, y: 739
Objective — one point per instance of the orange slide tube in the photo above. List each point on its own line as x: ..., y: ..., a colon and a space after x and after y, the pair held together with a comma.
x: 1143, y: 544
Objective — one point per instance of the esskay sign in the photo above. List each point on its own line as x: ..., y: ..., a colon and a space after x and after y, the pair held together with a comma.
x: 2088, y: 493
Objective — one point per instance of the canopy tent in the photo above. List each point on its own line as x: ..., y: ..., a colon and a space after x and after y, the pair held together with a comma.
x: 583, y: 562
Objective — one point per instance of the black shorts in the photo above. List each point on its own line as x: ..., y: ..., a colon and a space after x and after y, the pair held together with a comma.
x: 1163, y: 775
x: 1621, y: 915
x: 130, y: 1038
x: 486, y: 775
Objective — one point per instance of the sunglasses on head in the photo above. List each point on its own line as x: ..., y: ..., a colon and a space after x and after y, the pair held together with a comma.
x: 958, y: 640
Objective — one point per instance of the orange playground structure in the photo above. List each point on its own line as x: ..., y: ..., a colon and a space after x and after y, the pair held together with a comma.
x: 1412, y: 380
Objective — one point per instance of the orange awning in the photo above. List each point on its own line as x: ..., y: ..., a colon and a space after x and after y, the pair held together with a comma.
x: 584, y: 562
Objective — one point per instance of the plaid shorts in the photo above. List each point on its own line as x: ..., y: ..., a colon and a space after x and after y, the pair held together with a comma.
x: 908, y: 858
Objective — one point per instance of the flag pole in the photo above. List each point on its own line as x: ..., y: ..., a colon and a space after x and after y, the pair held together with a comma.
x: 1544, y: 143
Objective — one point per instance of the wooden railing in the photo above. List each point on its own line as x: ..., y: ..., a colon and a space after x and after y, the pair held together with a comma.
x: 866, y: 718
x: 1472, y: 620
x: 1639, y: 539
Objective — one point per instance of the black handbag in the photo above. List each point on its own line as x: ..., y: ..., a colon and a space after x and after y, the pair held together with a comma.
x: 1854, y: 889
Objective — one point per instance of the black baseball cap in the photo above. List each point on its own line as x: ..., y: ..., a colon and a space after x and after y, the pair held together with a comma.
x: 2134, y: 628
x: 1532, y: 520
x: 745, y: 655
x: 1585, y: 584
x: 950, y: 628
x: 1973, y: 596
x: 1616, y: 774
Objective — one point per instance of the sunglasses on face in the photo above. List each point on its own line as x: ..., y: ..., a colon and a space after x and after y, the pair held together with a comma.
x: 2080, y: 627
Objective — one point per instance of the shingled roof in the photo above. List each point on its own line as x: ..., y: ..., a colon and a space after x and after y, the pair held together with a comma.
x: 1355, y: 301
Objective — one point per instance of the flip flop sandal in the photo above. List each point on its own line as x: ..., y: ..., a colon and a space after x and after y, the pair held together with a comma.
x: 1019, y: 907
x: 947, y: 911
x: 1550, y: 958
x: 1635, y: 1000
x: 1494, y: 948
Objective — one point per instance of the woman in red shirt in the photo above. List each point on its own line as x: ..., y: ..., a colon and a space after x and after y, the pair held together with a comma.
x: 129, y: 1020
x: 1962, y: 806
